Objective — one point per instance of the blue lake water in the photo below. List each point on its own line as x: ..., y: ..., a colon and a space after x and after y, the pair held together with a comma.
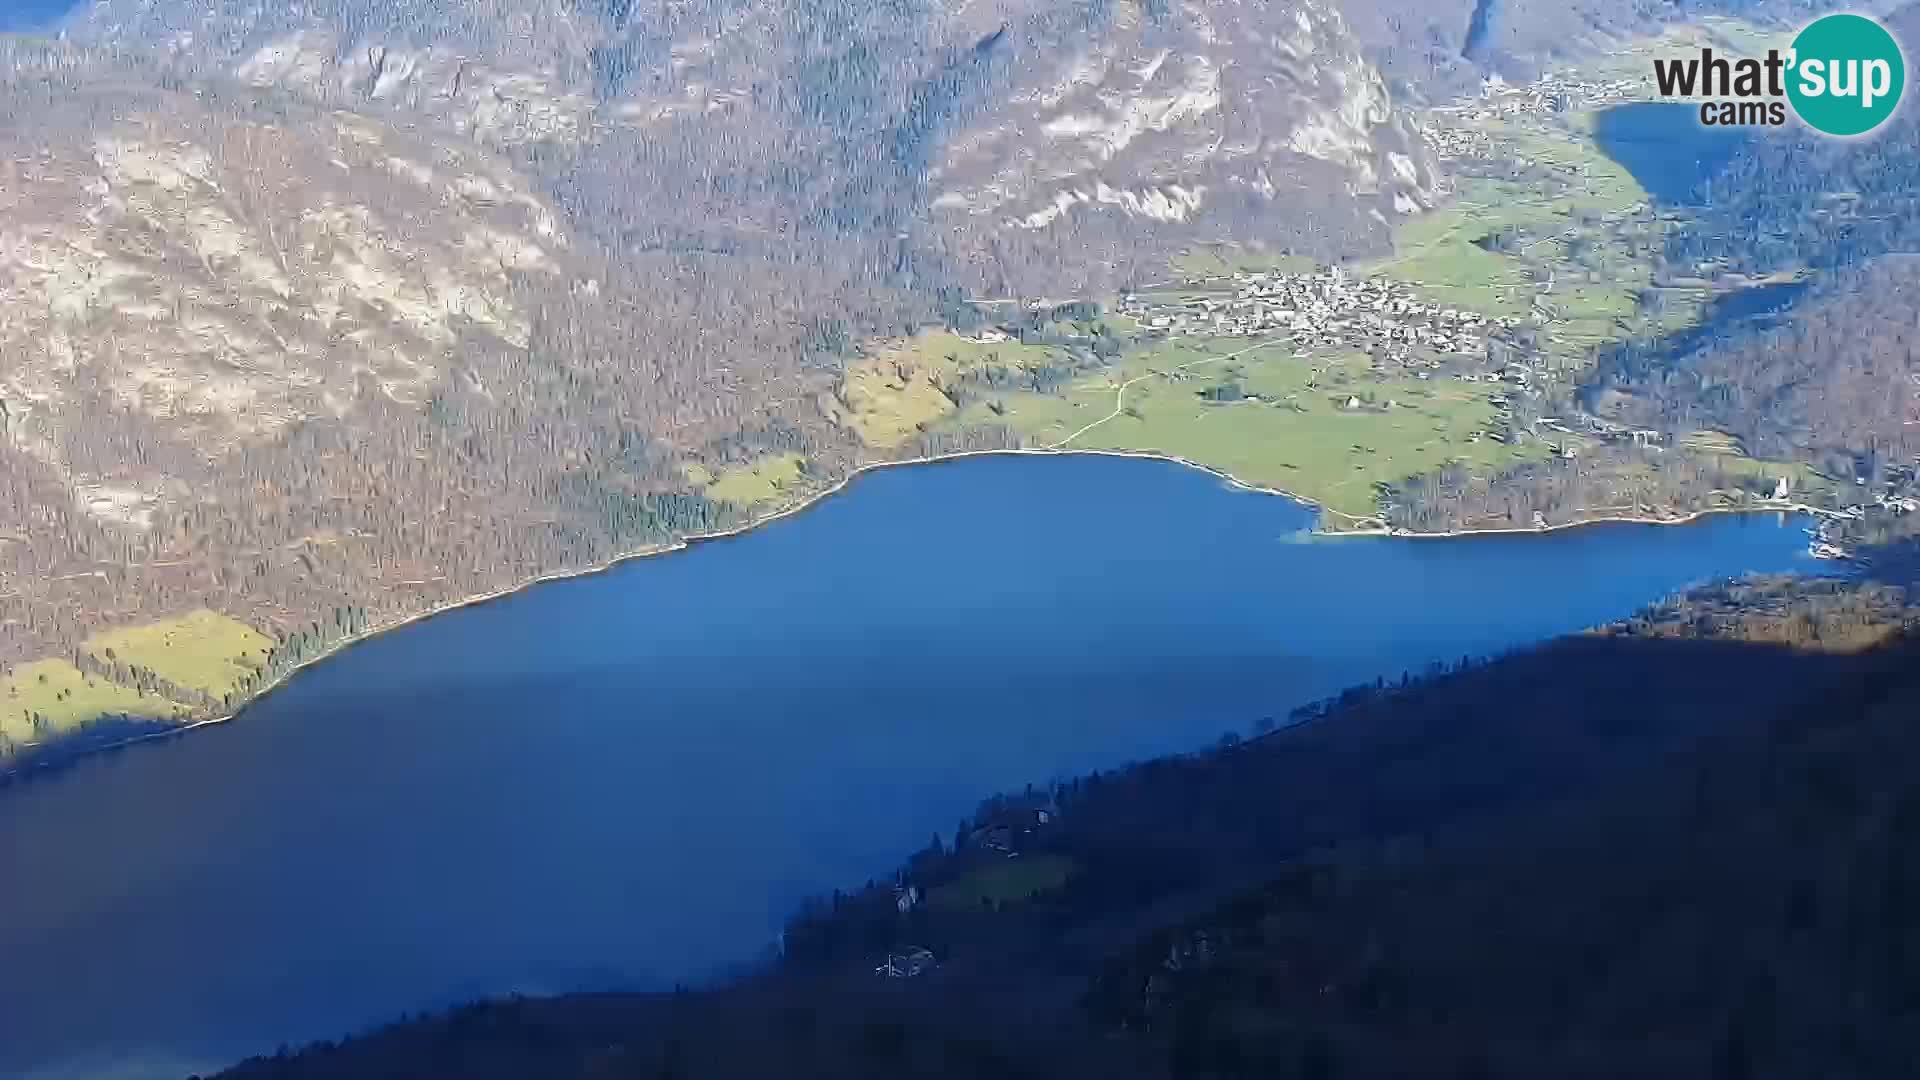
x: 1666, y: 148
x: 25, y: 15
x: 629, y: 779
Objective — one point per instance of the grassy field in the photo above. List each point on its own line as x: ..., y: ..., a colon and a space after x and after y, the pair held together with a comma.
x: 1011, y: 881
x: 201, y: 650
x: 894, y: 394
x: 768, y: 479
x: 68, y: 698
x: 1296, y: 429
x: 1805, y: 480
x: 1436, y: 252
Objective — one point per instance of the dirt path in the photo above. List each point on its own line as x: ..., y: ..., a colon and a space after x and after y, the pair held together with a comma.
x: 1120, y: 396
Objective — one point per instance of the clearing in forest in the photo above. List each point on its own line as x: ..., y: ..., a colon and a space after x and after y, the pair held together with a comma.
x: 201, y: 650
x: 1012, y: 881
x: 890, y: 397
x: 766, y: 479
x: 64, y: 698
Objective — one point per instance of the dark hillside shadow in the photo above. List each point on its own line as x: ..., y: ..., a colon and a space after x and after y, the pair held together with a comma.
x: 1749, y: 310
x: 1421, y: 876
x: 106, y: 733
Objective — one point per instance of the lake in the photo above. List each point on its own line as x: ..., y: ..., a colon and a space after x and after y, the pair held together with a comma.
x: 19, y: 16
x: 1665, y: 146
x: 631, y: 778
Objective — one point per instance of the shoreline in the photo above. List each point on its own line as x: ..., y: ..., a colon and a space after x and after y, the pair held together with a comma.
x: 10, y: 774
x: 1611, y: 519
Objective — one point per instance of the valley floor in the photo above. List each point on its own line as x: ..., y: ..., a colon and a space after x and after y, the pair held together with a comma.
x: 1368, y: 393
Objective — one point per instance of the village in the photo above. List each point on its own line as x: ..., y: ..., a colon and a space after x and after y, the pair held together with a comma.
x: 1452, y: 133
x: 1554, y: 92
x: 1325, y: 308
x: 1405, y: 334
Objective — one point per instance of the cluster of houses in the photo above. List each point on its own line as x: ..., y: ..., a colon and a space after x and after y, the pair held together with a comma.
x: 1452, y: 135
x: 907, y: 962
x: 1323, y: 308
x: 1551, y: 93
x: 1897, y: 494
x: 1003, y: 830
x: 1898, y: 504
x: 1450, y: 143
x: 1011, y: 825
x: 1901, y: 491
x: 1829, y: 540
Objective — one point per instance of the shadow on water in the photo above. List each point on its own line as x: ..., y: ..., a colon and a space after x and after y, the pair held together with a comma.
x: 1759, y: 302
x: 107, y: 734
x: 1666, y: 148
x: 1754, y: 308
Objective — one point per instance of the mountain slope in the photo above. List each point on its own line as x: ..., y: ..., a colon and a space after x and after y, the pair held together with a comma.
x: 1833, y: 379
x: 1017, y: 111
x: 333, y: 313
x: 324, y: 315
x: 1185, y: 121
x: 1611, y: 856
x: 282, y: 360
x: 1794, y: 199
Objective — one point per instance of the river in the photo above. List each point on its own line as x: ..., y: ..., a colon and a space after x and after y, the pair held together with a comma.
x: 630, y: 778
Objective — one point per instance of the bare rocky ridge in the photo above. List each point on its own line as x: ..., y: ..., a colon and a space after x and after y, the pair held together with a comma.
x: 222, y: 276
x: 1162, y: 112
x: 1228, y: 120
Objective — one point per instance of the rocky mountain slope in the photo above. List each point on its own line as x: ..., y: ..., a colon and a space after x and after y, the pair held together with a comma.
x: 217, y: 276
x: 301, y: 279
x: 347, y: 305
x: 279, y: 358
x: 1209, y: 122
x: 975, y: 120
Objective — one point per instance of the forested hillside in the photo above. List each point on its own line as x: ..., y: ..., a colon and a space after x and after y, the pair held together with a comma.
x: 320, y: 316
x: 1798, y: 368
x: 1679, y: 849
x: 1794, y: 199
x: 1828, y: 376
x: 1832, y: 381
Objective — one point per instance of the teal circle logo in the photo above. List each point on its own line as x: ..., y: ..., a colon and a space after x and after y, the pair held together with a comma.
x: 1846, y: 75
